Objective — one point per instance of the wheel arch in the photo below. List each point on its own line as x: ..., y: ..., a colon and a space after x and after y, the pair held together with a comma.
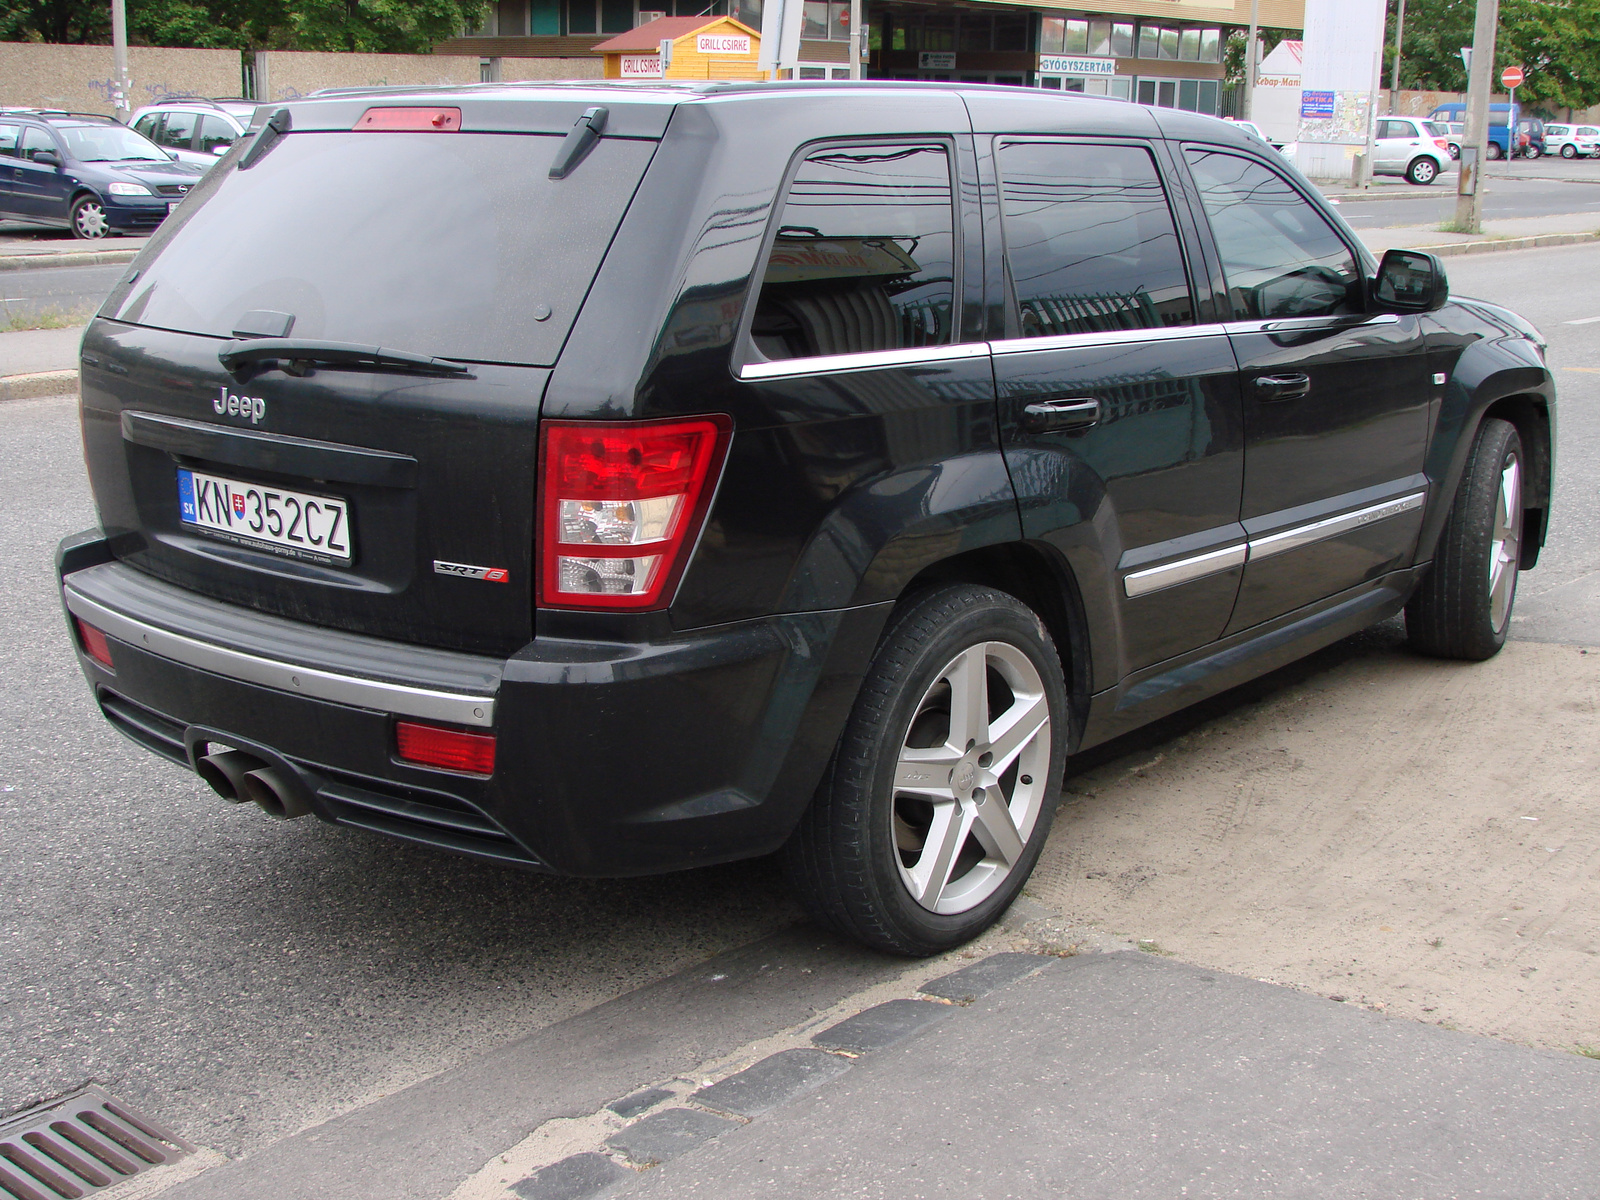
x: 1039, y: 579
x: 1494, y: 380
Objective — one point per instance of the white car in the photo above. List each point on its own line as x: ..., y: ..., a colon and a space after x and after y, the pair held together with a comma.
x: 195, y: 130
x: 1572, y: 141
x: 1412, y: 147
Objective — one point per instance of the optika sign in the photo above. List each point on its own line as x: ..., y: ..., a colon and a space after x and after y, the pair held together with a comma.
x: 641, y: 66
x: 226, y: 405
x: 722, y: 43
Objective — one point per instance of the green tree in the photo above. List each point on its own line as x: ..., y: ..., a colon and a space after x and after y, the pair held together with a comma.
x: 1555, y: 42
x: 394, y: 26
x: 1233, y: 52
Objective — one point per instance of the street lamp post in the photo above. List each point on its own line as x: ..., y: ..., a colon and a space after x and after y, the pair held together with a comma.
x: 1399, y: 44
x: 1248, y: 107
x: 120, y: 85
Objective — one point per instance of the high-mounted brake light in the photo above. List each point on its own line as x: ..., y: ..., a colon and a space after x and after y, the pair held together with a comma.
x: 94, y: 642
x: 416, y: 120
x: 621, y: 505
x: 438, y: 746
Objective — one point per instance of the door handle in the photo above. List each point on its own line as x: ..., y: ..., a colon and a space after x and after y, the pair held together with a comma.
x: 1282, y: 387
x: 1079, y: 412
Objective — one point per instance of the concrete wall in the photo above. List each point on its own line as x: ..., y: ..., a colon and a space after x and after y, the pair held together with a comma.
x: 78, y: 78
x: 515, y: 69
x: 290, y: 74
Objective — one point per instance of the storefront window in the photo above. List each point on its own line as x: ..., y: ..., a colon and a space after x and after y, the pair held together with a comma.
x: 1077, y: 41
x: 1100, y: 38
x: 1051, y: 32
x: 938, y: 31
x: 975, y: 32
x: 1122, y: 39
x: 1012, y: 32
x: 814, y: 22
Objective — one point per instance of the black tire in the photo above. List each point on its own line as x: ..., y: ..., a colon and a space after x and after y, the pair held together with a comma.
x: 89, y: 218
x: 1454, y: 612
x: 1495, y: 153
x: 1422, y: 171
x: 1569, y: 151
x: 1455, y: 151
x: 849, y: 859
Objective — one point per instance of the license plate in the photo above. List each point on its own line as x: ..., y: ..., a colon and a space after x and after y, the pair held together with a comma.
x: 172, y: 204
x: 296, y: 524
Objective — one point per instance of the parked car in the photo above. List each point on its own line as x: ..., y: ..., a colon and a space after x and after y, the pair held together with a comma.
x: 196, y: 131
x: 737, y: 475
x: 1457, y: 133
x: 88, y: 173
x: 1409, y: 146
x: 1572, y: 141
x: 1501, y: 118
x: 1530, y: 137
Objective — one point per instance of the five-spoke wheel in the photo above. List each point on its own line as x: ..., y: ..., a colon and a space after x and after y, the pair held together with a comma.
x: 942, y: 788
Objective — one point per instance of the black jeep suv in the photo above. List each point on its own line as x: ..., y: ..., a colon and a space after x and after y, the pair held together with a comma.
x: 609, y: 480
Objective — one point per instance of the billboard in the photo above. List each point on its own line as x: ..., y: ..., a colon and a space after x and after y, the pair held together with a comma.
x: 1339, y: 74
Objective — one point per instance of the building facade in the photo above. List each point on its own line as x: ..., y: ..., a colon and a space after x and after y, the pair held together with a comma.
x: 1162, y: 52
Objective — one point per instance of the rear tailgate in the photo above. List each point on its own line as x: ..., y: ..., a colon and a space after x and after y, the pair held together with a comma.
x: 383, y: 501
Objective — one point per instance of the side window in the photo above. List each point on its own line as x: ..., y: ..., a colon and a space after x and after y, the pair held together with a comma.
x: 34, y: 140
x: 1280, y: 257
x: 177, y: 131
x: 864, y: 258
x: 8, y: 140
x: 1090, y: 242
x: 147, y: 125
x: 214, y: 132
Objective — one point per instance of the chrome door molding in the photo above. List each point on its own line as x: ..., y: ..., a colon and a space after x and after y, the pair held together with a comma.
x: 869, y: 360
x: 1185, y: 570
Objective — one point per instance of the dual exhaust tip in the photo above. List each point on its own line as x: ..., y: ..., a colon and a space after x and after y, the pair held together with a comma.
x: 238, y: 777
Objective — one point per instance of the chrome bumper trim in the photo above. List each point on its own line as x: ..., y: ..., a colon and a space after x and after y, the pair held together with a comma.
x: 426, y: 704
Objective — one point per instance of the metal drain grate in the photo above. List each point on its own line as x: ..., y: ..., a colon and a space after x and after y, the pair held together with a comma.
x: 79, y: 1146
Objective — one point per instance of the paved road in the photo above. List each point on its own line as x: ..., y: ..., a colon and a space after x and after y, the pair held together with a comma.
x: 68, y: 293
x: 1504, y: 198
x: 243, y: 978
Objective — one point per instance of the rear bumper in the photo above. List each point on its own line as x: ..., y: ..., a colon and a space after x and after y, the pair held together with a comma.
x: 613, y: 758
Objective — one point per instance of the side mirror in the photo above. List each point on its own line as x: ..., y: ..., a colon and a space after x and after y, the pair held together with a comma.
x: 47, y: 158
x: 173, y: 155
x: 1409, y: 281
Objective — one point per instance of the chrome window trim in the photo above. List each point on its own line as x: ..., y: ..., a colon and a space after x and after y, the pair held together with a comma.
x: 1305, y: 535
x: 1110, y: 337
x: 832, y: 364
x: 1299, y: 324
x: 1185, y: 570
x: 454, y: 707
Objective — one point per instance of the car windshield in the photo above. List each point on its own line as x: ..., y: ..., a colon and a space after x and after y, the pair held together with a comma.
x: 109, y: 143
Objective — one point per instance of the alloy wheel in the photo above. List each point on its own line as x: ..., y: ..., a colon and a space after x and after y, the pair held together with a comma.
x: 1505, y: 543
x: 970, y: 779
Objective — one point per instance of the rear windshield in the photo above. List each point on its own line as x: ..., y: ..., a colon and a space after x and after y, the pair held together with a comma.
x: 1437, y: 129
x: 456, y: 245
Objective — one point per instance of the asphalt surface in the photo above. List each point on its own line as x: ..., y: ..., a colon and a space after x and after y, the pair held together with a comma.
x: 242, y: 978
x: 68, y: 294
x: 1503, y: 198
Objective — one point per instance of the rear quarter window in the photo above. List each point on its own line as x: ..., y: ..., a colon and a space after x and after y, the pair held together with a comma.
x: 455, y: 245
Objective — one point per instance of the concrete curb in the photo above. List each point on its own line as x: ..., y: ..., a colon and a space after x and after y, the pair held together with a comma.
x: 66, y: 258
x: 1455, y: 249
x: 38, y: 384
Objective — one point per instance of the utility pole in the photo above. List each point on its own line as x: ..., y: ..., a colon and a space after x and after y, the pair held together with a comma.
x: 120, y: 85
x: 1248, y: 107
x: 1399, y: 44
x: 857, y: 37
x: 1475, y: 139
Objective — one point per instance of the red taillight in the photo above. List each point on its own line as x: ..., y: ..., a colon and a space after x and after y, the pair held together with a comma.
x: 1442, y: 144
x: 451, y: 749
x: 94, y: 642
x: 621, y: 505
x: 416, y: 120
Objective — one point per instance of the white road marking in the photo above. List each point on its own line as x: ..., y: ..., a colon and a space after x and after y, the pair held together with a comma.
x: 1586, y: 321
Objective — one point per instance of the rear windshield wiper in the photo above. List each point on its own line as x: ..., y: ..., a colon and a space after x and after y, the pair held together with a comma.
x: 297, y: 356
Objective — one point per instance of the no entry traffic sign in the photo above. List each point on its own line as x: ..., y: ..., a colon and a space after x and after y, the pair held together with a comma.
x: 1511, y: 77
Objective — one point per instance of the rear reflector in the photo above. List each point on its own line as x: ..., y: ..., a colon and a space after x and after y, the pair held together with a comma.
x: 416, y: 120
x: 451, y: 749
x: 94, y: 642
